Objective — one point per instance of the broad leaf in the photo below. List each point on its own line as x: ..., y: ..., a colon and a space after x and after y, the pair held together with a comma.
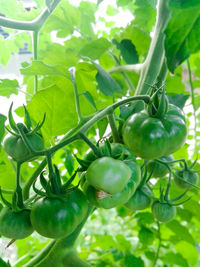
x: 128, y: 51
x: 8, y: 87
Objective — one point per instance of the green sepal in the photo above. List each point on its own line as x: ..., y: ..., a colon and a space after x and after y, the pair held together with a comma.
x: 57, y: 177
x: 84, y: 163
x: 43, y: 181
x: 161, y: 106
x: 38, y: 191
x: 107, y: 150
x: 11, y: 120
x: 11, y: 132
x: 38, y: 126
x: 5, y: 202
x: 27, y: 119
x: 67, y: 184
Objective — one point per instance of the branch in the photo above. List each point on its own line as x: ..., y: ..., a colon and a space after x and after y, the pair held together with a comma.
x: 34, y: 25
x: 156, y: 53
x: 136, y: 68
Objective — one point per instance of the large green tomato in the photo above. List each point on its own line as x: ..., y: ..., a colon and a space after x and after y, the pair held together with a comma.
x: 151, y: 137
x: 181, y: 178
x: 140, y: 200
x: 15, y: 147
x: 15, y: 225
x: 108, y: 174
x: 163, y: 212
x: 157, y: 169
x: 56, y: 218
x: 108, y: 202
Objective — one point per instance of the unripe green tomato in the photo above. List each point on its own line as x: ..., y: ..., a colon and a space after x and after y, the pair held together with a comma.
x: 157, y: 169
x: 181, y: 178
x: 108, y: 174
x: 15, y: 147
x: 108, y: 202
x: 56, y: 218
x: 150, y: 137
x: 140, y: 200
x: 163, y: 212
x: 15, y: 225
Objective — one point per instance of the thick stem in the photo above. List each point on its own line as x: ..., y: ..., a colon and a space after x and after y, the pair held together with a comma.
x: 156, y: 53
x: 113, y: 127
x: 35, y: 57
x: 135, y: 68
x: 18, y: 189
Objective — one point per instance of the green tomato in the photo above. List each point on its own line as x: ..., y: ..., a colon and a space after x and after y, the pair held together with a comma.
x: 108, y: 202
x: 150, y: 137
x: 15, y: 147
x: 108, y: 174
x: 141, y: 200
x: 157, y: 169
x: 163, y: 212
x: 181, y: 178
x: 15, y: 225
x: 56, y: 218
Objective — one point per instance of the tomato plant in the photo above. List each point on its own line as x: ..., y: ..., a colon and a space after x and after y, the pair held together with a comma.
x: 97, y: 108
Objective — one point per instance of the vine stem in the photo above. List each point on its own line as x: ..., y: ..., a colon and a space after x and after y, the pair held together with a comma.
x: 156, y: 53
x: 159, y: 245
x: 113, y: 127
x: 193, y: 106
x: 34, y: 25
x: 136, y: 68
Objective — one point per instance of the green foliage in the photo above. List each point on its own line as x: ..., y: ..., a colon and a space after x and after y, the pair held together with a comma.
x: 72, y: 38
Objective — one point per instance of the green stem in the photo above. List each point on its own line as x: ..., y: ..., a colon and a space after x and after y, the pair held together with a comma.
x: 193, y: 106
x: 34, y: 25
x: 162, y: 75
x: 76, y: 95
x: 54, y: 185
x: 7, y: 191
x: 35, y: 57
x: 159, y: 246
x: 135, y: 68
x: 113, y: 127
x: 90, y: 144
x: 156, y: 53
x: 18, y: 189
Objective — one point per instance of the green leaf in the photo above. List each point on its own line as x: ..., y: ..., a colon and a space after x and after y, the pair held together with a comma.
x: 40, y: 68
x: 146, y: 237
x: 188, y: 251
x: 90, y: 99
x: 102, y: 126
x: 8, y: 87
x: 128, y: 51
x: 69, y: 162
x: 175, y: 258
x: 181, y: 231
x: 57, y: 102
x: 144, y: 218
x: 182, y: 35
x: 178, y: 100
x: 2, y: 127
x: 95, y: 49
x: 131, y: 260
x: 106, y: 83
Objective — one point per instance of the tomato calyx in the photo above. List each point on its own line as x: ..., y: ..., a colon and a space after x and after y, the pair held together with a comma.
x: 48, y: 188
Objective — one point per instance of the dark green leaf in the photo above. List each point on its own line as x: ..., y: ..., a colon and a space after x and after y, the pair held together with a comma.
x: 178, y: 99
x: 146, y: 237
x: 131, y: 260
x: 128, y: 51
x: 107, y: 85
x: 90, y: 99
x: 182, y: 35
x: 175, y: 258
x: 69, y: 162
